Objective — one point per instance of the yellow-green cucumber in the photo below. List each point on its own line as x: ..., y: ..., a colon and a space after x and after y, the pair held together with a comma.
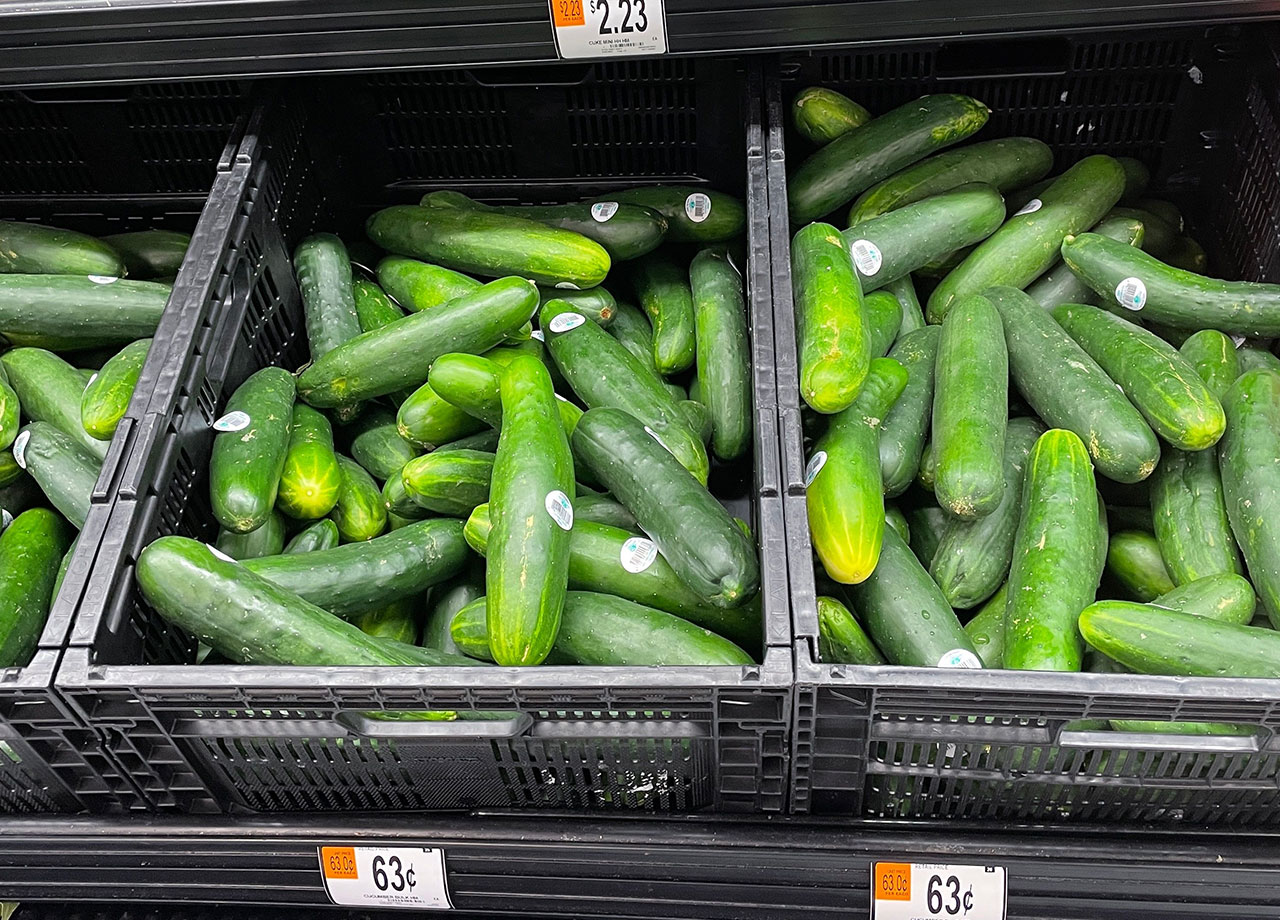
x: 310, y: 481
x: 821, y: 115
x: 106, y: 398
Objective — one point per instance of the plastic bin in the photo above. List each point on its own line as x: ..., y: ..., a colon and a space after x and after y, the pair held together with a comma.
x: 98, y: 160
x: 204, y: 738
x: 1202, y: 109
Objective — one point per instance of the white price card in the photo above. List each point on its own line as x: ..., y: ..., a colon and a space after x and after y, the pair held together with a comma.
x: 609, y: 28
x: 932, y: 891
x: 385, y: 877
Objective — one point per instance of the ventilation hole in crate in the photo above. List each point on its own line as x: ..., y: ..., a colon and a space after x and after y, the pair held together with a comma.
x: 39, y: 151
x: 1248, y: 211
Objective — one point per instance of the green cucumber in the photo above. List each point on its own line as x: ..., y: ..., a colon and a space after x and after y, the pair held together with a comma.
x: 902, y: 433
x: 986, y: 629
x: 452, y: 483
x: 596, y: 304
x: 840, y: 639
x: 375, y: 443
x: 602, y: 509
x: 418, y: 286
x: 821, y: 115
x: 884, y: 320
x: 106, y: 398
x: 49, y: 390
x: 1251, y: 358
x: 399, y: 503
x: 1060, y: 284
x: 1215, y: 358
x: 359, y: 577
x: 531, y: 494
x: 928, y: 524
x: 631, y: 328
x: 446, y: 601
x: 723, y: 352
x: 883, y: 146
x: 699, y: 419
x: 694, y: 533
x: 360, y: 512
x: 1160, y: 383
x: 374, y: 309
x: 972, y: 557
x: 469, y: 383
x: 1134, y: 561
x: 322, y: 534
x: 1188, y: 255
x: 693, y: 215
x: 1250, y: 483
x: 662, y: 288
x: 888, y: 247
x: 1069, y: 390
x: 310, y: 481
x: 970, y: 406
x: 65, y: 471
x: 425, y: 419
x: 31, y: 548
x: 400, y: 354
x: 1165, y: 210
x: 324, y: 281
x: 1158, y: 236
x: 898, y: 521
x: 1028, y: 243
x: 904, y: 290
x: 831, y: 325
x: 1136, y: 178
x: 1054, y: 569
x: 1182, y: 728
x: 396, y: 621
x: 33, y: 249
x: 10, y: 411
x: 1004, y: 164
x: 1225, y: 596
x: 249, y: 450
x: 489, y: 244
x: 149, y: 254
x: 845, y: 497
x: 267, y: 540
x: 484, y: 440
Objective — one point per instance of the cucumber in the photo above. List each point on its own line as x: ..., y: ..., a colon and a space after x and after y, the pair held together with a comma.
x: 906, y: 615
x: 267, y: 540
x: 1069, y: 390
x: 10, y: 411
x: 662, y: 288
x: 374, y: 309
x: 324, y: 281
x: 1225, y: 596
x: 484, y: 440
x: 1054, y: 569
x: 972, y: 557
x: 1251, y: 358
x: 34, y: 249
x: 396, y: 621
x: 1171, y: 296
x: 845, y: 497
x: 1028, y: 243
x: 310, y: 481
x: 1019, y: 198
x: 631, y: 328
x: 1152, y: 640
x: 399, y: 355
x: 927, y: 527
x: 890, y: 246
x: 840, y: 638
x: 703, y: 545
x: 452, y: 483
x: 1060, y: 284
x: 356, y: 578
x: 451, y: 598
x: 1134, y: 561
x: 831, y: 325
x: 904, y: 290
x: 376, y: 444
x: 602, y: 509
x: 1004, y: 164
x: 603, y: 373
x: 469, y: 383
x: 1160, y: 383
x: 970, y: 409
x: 925, y: 475
x: 1215, y: 358
x: 723, y: 352
x: 425, y: 419
x: 903, y: 430
x: 49, y: 390
x: 898, y: 521
x: 699, y: 418
x: 1158, y: 237
x: 1136, y: 178
x: 360, y: 512
x: 884, y: 320
x: 148, y: 254
x: 65, y: 471
x: 986, y: 629
x: 323, y: 534
x: 418, y: 286
x: 596, y: 304
x: 399, y: 503
x: 489, y: 244
x: 883, y: 146
x: 31, y: 548
x: 106, y: 398
x: 1187, y: 255
x: 1165, y: 210
x: 531, y: 500
x: 249, y: 451
x: 820, y: 115
x: 694, y: 215
x: 1247, y: 454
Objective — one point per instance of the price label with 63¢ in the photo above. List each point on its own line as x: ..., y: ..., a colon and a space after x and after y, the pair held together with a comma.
x: 928, y: 891
x: 410, y: 877
x: 609, y: 28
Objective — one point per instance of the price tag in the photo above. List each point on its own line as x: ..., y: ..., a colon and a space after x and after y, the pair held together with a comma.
x: 609, y: 28
x: 385, y: 877
x: 928, y: 891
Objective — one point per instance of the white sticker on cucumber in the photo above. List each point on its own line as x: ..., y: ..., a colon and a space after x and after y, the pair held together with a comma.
x: 567, y: 286
x: 697, y: 207
x: 960, y: 658
x: 20, y: 448
x: 603, y: 210
x: 1239, y: 340
x: 1131, y: 294
x: 866, y: 256
x: 103, y: 279
x: 219, y: 553
x: 92, y: 378
x: 563, y: 322
x: 5, y: 519
x: 816, y: 463
x: 1035, y: 204
x: 232, y: 421
x: 638, y: 554
x: 537, y: 334
x: 560, y: 509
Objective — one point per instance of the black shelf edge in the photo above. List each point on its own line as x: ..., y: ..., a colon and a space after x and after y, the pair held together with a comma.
x: 59, y: 42
x: 547, y: 866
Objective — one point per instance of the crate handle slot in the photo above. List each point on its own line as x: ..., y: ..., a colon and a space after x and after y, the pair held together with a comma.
x: 1041, y: 56
x: 619, y: 728
x: 503, y: 725
x: 532, y: 76
x: 77, y: 95
x: 1161, y: 741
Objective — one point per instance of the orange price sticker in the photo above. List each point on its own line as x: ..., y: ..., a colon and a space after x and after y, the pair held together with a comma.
x: 893, y: 882
x: 567, y: 13
x: 338, y: 862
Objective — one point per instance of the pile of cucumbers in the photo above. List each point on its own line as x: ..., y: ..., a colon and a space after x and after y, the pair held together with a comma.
x: 490, y: 456
x: 1042, y: 438
x: 76, y: 315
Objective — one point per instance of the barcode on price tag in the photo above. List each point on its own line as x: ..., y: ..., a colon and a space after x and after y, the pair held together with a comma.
x: 410, y: 877
x: 932, y: 891
x: 609, y: 28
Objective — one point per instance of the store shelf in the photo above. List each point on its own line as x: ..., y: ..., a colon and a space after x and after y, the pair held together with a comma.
x: 49, y: 42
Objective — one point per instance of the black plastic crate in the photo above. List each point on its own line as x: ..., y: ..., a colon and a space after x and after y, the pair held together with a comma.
x: 1202, y: 109
x: 290, y: 739
x: 99, y: 161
